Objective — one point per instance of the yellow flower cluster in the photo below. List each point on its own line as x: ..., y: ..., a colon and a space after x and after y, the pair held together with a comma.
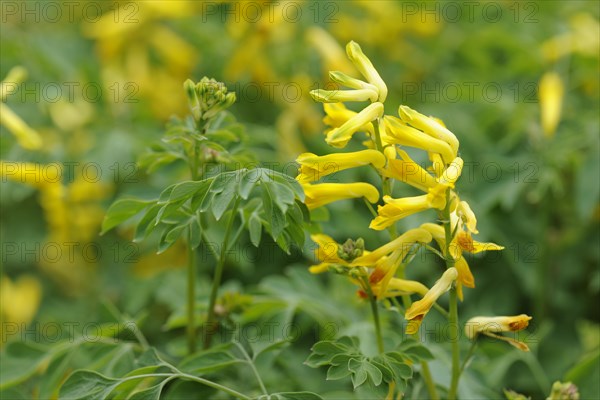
x: 73, y: 213
x: 388, y: 136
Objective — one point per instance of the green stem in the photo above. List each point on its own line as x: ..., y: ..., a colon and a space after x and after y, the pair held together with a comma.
x: 254, y: 370
x: 375, y: 310
x: 191, y: 297
x: 453, y: 331
x: 211, y: 319
x: 453, y: 307
x: 426, y: 374
x: 468, y: 357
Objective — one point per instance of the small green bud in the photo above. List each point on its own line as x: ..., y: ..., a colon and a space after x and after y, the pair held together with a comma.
x: 563, y: 391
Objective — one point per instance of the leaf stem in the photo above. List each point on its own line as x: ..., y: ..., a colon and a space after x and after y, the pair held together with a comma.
x: 191, y: 297
x: 211, y: 319
x: 426, y: 374
x: 375, y: 310
x: 253, y: 367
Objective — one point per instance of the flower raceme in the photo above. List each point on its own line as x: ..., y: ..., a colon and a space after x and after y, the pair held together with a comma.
x: 380, y: 273
x: 489, y: 326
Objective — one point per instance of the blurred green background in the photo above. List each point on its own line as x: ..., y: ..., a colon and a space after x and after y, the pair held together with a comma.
x: 104, y: 78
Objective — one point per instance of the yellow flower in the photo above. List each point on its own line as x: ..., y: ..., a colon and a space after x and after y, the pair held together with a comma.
x: 313, y: 167
x: 551, y: 92
x: 491, y: 325
x: 464, y: 222
x: 415, y: 313
x: 325, y: 193
x: 401, y: 244
x: 336, y: 114
x: 388, y: 258
x: 326, y: 252
x: 583, y: 38
x: 339, y: 137
x: 20, y: 299
x: 384, y: 285
x: 365, y: 67
x: 26, y: 136
x: 336, y: 96
x: 329, y: 49
x: 408, y: 171
x: 396, y: 209
x: 431, y: 126
x: 398, y: 132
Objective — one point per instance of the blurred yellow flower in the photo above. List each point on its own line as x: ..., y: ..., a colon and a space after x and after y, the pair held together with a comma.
x: 551, y: 92
x: 19, y: 302
x: 491, y: 325
x: 26, y: 136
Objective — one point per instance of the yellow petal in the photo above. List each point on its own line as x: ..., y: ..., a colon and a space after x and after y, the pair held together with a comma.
x: 401, y: 244
x: 339, y: 137
x: 408, y: 171
x: 429, y: 125
x: 551, y: 92
x: 480, y: 324
x: 420, y: 308
x: 325, y: 193
x: 396, y: 209
x: 365, y: 67
x: 27, y: 137
x: 400, y: 133
x: 313, y: 167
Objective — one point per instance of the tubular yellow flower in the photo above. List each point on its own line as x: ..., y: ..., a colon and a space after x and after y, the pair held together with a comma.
x: 408, y: 171
x: 467, y: 216
x: 328, y: 48
x: 491, y: 325
x: 400, y: 133
x: 401, y: 244
x: 551, y: 94
x: 396, y: 209
x: 415, y: 313
x: 313, y: 167
x: 428, y: 125
x: 388, y: 258
x: 337, y: 96
x: 326, y: 252
x: 350, y: 82
x: 325, y: 193
x: 365, y: 67
x: 339, y: 137
x: 15, y: 76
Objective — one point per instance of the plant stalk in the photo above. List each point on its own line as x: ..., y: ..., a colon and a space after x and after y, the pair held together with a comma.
x: 191, y: 298
x: 211, y: 320
x: 453, y: 307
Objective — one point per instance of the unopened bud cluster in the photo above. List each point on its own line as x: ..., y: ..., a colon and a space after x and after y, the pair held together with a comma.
x: 207, y: 98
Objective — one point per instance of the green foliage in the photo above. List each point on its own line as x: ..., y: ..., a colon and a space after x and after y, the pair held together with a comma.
x: 344, y: 358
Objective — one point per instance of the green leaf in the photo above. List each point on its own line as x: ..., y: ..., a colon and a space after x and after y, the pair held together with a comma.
x: 120, y: 211
x: 248, y: 181
x: 87, y: 385
x: 20, y: 361
x: 336, y: 372
x: 255, y: 229
x: 147, y: 223
x: 170, y: 236
x: 151, y: 393
x: 209, y: 361
x: 185, y: 190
